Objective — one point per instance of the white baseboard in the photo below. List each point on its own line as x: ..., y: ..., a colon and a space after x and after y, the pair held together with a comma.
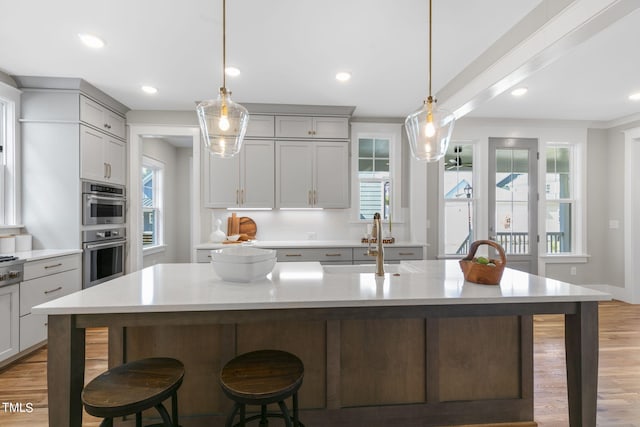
x: 616, y: 292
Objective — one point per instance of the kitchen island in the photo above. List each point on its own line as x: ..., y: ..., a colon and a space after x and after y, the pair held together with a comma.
x: 417, y: 347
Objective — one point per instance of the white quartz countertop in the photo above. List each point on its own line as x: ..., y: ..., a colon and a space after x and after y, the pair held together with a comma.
x: 38, y: 254
x: 308, y: 244
x: 195, y: 287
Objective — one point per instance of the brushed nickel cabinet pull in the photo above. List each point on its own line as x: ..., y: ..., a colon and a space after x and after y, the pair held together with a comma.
x: 53, y: 265
x: 50, y: 291
x: 293, y: 255
x: 406, y: 253
x: 332, y: 254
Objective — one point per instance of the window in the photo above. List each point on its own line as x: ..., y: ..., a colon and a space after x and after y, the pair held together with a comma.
x: 9, y: 141
x: 3, y: 144
x: 152, y: 171
x: 376, y: 172
x: 374, y: 177
x: 458, y: 199
x: 560, y: 199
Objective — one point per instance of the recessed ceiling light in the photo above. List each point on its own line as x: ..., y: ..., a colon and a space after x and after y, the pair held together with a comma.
x: 343, y: 76
x: 149, y: 89
x: 519, y: 91
x: 91, y: 41
x: 635, y: 96
x: 232, y: 71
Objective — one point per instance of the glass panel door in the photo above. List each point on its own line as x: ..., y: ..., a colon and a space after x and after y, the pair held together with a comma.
x: 513, y: 198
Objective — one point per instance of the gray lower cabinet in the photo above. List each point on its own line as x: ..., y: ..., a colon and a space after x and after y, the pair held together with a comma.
x: 391, y: 254
x: 45, y: 280
x: 323, y: 255
x: 9, y: 319
x: 342, y: 255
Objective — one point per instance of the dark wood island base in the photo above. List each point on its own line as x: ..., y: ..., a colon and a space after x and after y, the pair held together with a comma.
x: 422, y: 365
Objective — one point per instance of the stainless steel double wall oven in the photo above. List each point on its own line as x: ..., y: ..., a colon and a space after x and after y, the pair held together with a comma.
x: 103, y: 256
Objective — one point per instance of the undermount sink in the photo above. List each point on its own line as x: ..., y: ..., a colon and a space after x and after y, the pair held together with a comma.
x: 367, y: 268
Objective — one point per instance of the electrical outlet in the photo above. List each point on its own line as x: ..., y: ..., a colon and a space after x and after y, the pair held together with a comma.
x: 573, y: 271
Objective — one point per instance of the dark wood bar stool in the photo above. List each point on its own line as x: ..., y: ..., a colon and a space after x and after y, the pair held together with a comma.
x: 260, y: 378
x: 134, y: 387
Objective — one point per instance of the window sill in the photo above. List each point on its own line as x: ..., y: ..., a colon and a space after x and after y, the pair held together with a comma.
x: 153, y: 249
x: 565, y: 258
x: 9, y: 226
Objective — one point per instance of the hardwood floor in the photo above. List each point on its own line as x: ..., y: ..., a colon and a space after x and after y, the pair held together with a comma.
x: 618, y: 386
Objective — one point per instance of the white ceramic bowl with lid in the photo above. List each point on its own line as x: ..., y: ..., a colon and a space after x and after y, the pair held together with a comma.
x: 242, y: 254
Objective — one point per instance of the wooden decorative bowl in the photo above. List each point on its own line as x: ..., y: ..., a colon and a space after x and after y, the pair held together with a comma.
x: 481, y: 273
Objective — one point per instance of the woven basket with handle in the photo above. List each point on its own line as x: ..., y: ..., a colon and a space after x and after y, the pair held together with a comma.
x: 481, y: 273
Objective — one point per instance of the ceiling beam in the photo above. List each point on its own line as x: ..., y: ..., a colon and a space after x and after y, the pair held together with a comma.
x: 540, y: 38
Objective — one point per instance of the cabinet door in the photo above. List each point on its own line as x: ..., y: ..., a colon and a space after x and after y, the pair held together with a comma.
x: 33, y: 330
x: 115, y: 157
x: 92, y: 162
x: 115, y: 123
x: 294, y: 127
x: 261, y: 126
x: 10, y: 321
x: 222, y: 181
x: 257, y: 174
x: 294, y: 183
x: 331, y: 127
x: 331, y: 174
x: 91, y: 112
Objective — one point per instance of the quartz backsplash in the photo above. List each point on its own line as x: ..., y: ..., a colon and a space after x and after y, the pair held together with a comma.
x: 327, y: 224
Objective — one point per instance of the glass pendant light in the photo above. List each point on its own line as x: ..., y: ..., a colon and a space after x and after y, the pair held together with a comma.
x: 223, y: 123
x: 429, y: 128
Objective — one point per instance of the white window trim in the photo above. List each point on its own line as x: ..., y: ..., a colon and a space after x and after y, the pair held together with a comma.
x: 11, y: 214
x: 579, y: 201
x: 159, y: 196
x: 392, y: 132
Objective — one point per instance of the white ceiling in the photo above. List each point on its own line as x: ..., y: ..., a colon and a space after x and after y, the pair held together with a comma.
x: 289, y: 51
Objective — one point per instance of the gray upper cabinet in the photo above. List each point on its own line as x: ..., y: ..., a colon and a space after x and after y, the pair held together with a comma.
x: 246, y: 180
x: 260, y: 126
x: 312, y: 127
x: 101, y: 118
x: 312, y: 175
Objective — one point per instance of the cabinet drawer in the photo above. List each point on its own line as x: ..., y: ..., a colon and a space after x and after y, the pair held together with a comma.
x: 33, y: 330
x: 203, y: 255
x: 400, y: 253
x: 261, y: 126
x: 44, y: 267
x: 391, y: 253
x: 47, y: 288
x: 315, y: 254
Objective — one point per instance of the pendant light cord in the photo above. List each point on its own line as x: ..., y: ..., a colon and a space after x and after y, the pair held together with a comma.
x: 430, y: 38
x: 224, y: 43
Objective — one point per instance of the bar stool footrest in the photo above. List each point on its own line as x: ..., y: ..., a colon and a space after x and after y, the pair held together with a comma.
x: 269, y: 415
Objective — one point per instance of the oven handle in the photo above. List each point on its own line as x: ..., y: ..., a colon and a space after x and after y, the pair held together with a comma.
x: 115, y: 198
x: 105, y: 245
